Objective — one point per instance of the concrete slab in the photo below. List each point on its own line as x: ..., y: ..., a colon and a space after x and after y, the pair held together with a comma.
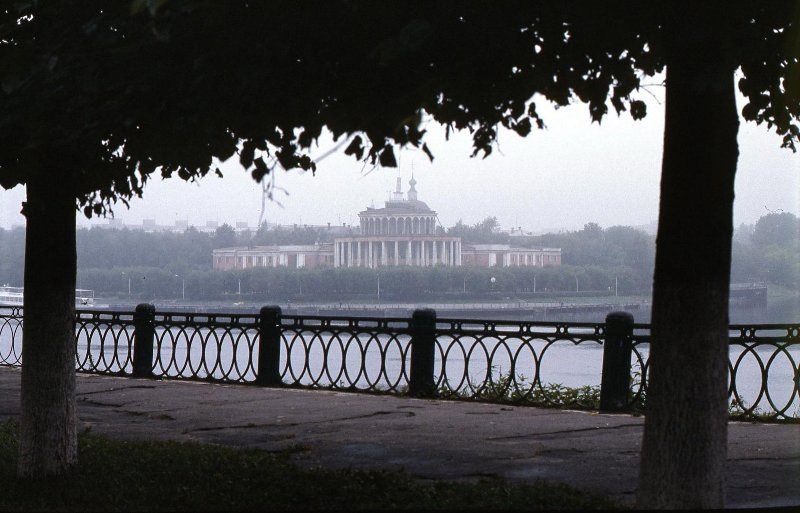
x: 428, y: 438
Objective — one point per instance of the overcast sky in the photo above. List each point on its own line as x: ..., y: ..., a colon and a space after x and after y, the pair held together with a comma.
x: 572, y: 173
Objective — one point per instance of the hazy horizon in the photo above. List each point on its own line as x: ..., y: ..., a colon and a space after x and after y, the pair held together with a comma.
x: 561, y: 178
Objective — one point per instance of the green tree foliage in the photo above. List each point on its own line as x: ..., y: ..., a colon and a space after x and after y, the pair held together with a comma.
x: 280, y: 235
x: 225, y: 237
x: 102, y: 248
x: 768, y: 251
x: 781, y: 230
x: 593, y: 245
x: 483, y: 232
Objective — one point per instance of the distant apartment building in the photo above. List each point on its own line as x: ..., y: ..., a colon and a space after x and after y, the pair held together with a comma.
x: 403, y: 232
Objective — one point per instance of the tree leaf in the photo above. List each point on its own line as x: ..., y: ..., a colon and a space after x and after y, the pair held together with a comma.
x: 638, y: 109
x: 355, y: 148
x: 387, y: 158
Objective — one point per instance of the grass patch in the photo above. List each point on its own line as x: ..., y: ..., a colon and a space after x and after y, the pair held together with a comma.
x: 169, y: 476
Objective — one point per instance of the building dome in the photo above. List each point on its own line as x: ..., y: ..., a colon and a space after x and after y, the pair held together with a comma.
x: 400, y: 216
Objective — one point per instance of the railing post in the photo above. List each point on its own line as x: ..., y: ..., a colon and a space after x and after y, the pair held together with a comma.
x: 269, y: 347
x: 615, y: 384
x: 423, y: 344
x: 143, y: 335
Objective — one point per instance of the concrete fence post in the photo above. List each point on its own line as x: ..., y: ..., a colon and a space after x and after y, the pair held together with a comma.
x: 269, y: 347
x: 143, y: 335
x: 423, y: 346
x: 616, y: 378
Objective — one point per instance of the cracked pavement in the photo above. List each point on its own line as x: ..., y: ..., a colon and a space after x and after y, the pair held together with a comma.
x: 431, y: 439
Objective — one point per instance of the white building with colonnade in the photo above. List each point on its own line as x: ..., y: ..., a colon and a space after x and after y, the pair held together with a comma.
x: 403, y: 232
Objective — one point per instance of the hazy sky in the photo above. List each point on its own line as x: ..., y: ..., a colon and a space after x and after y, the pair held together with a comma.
x: 572, y: 173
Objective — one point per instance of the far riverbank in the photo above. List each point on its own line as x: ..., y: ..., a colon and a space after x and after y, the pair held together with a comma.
x: 781, y: 308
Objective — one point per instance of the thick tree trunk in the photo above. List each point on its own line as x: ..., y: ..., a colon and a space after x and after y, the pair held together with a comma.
x: 47, y: 441
x: 685, y: 440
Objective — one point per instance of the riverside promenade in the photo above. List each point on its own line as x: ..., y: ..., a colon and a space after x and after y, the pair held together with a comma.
x: 430, y: 439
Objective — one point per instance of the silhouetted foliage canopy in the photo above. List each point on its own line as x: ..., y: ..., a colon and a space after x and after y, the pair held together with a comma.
x: 100, y: 95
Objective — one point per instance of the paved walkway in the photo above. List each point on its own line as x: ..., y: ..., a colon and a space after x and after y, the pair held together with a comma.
x: 428, y: 438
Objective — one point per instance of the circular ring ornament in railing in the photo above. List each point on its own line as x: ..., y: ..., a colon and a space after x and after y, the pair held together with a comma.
x: 292, y: 338
x: 372, y: 381
x: 316, y: 378
x: 230, y: 369
x: 195, y: 367
x: 733, y: 372
x: 393, y: 342
x: 780, y: 350
x: 500, y: 386
x: 212, y: 341
x: 524, y: 394
x: 353, y: 343
x: 181, y: 367
x: 333, y: 342
x: 444, y: 383
x: 479, y: 389
x: 245, y: 367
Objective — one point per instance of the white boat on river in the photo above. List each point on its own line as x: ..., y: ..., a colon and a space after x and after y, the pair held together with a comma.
x: 13, y: 296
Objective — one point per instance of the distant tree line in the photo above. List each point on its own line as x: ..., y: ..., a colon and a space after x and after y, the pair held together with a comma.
x: 595, y: 260
x: 400, y: 283
x: 768, y: 251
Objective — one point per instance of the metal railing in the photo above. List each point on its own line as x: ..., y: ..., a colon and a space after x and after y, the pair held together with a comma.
x: 578, y: 365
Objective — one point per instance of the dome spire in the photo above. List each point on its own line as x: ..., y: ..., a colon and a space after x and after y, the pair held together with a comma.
x: 398, y: 193
x: 412, y: 191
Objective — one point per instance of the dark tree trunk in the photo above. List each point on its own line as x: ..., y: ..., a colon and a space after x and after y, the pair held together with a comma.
x: 47, y: 441
x: 685, y: 439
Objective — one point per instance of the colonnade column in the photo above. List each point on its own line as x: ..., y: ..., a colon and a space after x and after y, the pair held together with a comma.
x: 364, y: 257
x: 370, y: 260
x: 383, y: 253
x: 396, y: 252
x: 426, y: 253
